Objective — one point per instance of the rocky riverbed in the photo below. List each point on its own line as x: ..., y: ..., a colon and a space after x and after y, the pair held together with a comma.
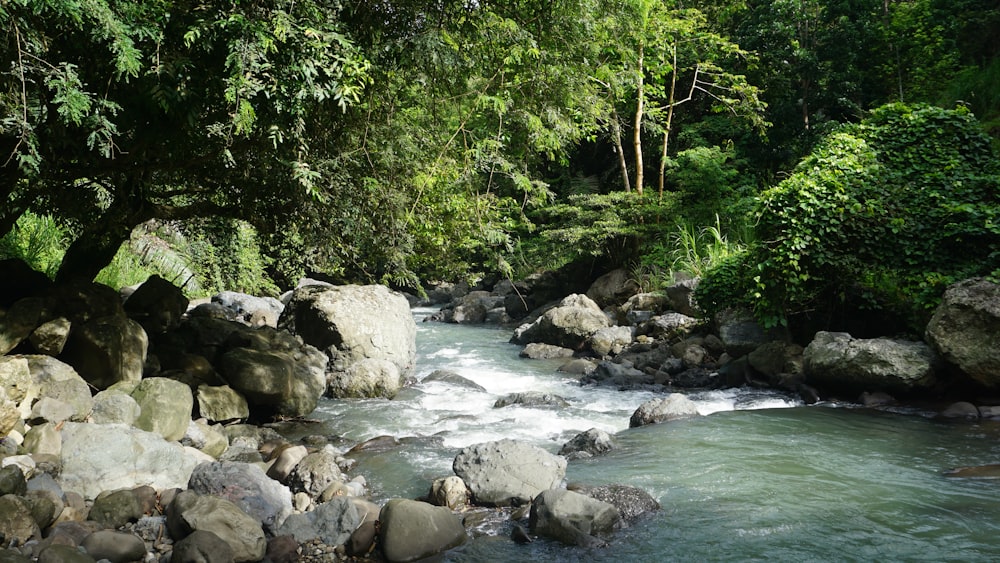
x: 137, y: 426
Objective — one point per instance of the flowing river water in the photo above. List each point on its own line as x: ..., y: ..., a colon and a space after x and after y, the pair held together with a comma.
x: 759, y: 477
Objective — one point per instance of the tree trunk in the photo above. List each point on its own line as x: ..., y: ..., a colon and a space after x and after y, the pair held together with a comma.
x: 637, y: 135
x: 97, y: 245
x: 670, y: 121
x: 616, y: 131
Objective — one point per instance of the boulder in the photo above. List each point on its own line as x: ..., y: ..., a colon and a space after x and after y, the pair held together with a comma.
x: 15, y: 378
x: 613, y: 288
x: 654, y: 303
x: 114, y: 407
x: 99, y: 457
x: 591, y: 443
x: 107, y: 350
x: 157, y: 305
x: 285, y: 460
x: 774, y: 359
x: 366, y: 378
x: 43, y: 439
x: 568, y: 325
x: 248, y: 487
x: 611, y: 340
x: 681, y: 296
x: 113, y: 509
x: 12, y: 481
x: 165, y: 407
x: 622, y: 376
x: 572, y: 518
x: 20, y: 280
x: 251, y: 310
x: 452, y: 378
x: 332, y: 523
x: 472, y: 308
x: 57, y: 553
x: 190, y: 512
x: 202, y: 546
x: 315, y: 473
x: 16, y: 522
x: 205, y: 437
x: 668, y: 326
x: 631, y: 502
x: 540, y: 351
x: 221, y: 403
x: 506, y: 472
x: 10, y: 417
x: 673, y: 407
x: 413, y: 530
x: 838, y: 361
x: 48, y: 409
x: 19, y: 321
x: 353, y: 323
x: 57, y: 380
x: 278, y: 382
x: 450, y: 492
x: 531, y: 399
x: 741, y: 333
x: 50, y: 337
x: 964, y: 329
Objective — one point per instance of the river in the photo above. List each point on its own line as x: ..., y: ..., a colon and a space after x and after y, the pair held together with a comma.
x: 758, y: 477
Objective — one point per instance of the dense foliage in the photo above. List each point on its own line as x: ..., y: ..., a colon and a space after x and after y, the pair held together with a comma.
x: 400, y: 142
x: 883, y: 214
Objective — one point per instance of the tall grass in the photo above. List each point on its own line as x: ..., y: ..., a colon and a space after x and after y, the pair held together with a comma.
x: 691, y: 250
x: 38, y: 240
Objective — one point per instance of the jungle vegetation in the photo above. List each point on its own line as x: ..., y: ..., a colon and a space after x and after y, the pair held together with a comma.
x: 803, y: 157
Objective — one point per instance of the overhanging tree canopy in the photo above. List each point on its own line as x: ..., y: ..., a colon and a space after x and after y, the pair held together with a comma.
x: 119, y: 112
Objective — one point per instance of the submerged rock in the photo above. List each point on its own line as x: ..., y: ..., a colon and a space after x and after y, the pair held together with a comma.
x: 571, y: 517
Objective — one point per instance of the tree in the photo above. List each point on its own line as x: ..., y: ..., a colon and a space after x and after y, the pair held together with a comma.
x: 121, y: 112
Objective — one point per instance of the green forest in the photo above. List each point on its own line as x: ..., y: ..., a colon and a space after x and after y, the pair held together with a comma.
x: 807, y: 159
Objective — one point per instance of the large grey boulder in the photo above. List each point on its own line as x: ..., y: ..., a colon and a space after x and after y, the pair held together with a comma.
x: 472, y: 308
x: 99, y: 457
x: 631, y: 502
x: 157, y: 305
x: 672, y: 407
x: 201, y: 546
x: 569, y: 325
x: 613, y: 288
x: 249, y: 309
x: 248, y: 487
x: 571, y: 517
x: 18, y: 322
x: 412, y: 530
x: 741, y: 333
x: 587, y: 444
x: 354, y: 323
x: 332, y: 522
x: 668, y: 326
x: 221, y: 403
x: 107, y: 350
x: 112, y: 406
x: 315, y: 473
x: 508, y: 473
x: 286, y: 383
x: 15, y: 378
x: 190, y: 512
x: 611, y: 340
x: 57, y: 380
x: 838, y: 361
x: 165, y: 406
x: 16, y: 522
x: 367, y: 378
x: 964, y: 329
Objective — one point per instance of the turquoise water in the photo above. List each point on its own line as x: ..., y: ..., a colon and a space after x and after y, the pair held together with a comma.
x: 758, y: 477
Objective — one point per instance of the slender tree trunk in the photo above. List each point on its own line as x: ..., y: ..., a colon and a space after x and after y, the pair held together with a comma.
x: 616, y: 138
x: 637, y: 134
x: 97, y: 245
x: 670, y: 121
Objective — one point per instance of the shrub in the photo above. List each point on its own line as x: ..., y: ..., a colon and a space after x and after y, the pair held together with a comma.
x: 886, y: 212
